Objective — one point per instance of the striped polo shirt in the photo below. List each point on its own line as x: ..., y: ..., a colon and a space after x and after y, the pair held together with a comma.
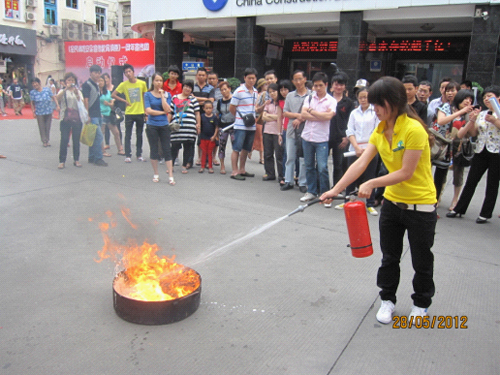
x: 245, y: 104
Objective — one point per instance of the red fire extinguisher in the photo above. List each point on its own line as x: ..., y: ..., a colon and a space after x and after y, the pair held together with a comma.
x: 359, y: 231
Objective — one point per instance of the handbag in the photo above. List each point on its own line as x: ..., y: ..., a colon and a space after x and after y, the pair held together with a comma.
x: 87, y: 136
x: 71, y: 114
x: 249, y: 118
x: 82, y: 111
x: 440, y: 148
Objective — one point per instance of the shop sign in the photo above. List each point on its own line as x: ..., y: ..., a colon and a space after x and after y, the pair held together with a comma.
x: 192, y: 65
x: 214, y: 5
x: 17, y: 41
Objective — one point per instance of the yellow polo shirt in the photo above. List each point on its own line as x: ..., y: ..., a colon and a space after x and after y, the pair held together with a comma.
x: 134, y: 92
x: 409, y: 134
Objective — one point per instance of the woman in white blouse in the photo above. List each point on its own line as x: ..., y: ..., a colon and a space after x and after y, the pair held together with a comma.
x: 486, y: 126
x: 362, y: 122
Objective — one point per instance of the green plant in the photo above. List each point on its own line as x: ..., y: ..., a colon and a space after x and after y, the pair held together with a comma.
x: 165, y: 76
x: 234, y: 83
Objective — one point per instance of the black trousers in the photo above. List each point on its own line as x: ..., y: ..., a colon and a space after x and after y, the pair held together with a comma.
x: 339, y: 161
x: 66, y: 128
x: 187, y: 155
x: 139, y: 127
x: 272, y: 148
x: 394, y: 222
x: 482, y: 162
x: 159, y: 135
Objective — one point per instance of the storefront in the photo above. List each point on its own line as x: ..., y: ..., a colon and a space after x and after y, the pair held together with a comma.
x: 17, y: 54
x: 366, y: 39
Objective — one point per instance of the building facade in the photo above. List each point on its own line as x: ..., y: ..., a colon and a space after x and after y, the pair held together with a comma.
x: 47, y: 24
x: 365, y: 38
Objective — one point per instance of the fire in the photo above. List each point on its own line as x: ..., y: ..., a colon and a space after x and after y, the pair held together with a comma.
x: 144, y: 275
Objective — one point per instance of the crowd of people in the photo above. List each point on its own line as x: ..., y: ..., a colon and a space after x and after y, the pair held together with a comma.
x: 383, y: 139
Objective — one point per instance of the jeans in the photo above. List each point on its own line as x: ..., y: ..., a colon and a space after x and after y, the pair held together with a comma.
x: 291, y: 157
x: 316, y: 153
x: 95, y: 151
x: 394, y: 222
x: 139, y: 127
x: 272, y: 148
x: 75, y: 128
x: 481, y: 162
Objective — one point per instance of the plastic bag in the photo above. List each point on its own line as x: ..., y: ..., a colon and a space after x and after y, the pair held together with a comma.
x: 87, y: 136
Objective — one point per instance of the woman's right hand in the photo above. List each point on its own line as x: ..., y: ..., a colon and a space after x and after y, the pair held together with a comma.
x: 473, y: 115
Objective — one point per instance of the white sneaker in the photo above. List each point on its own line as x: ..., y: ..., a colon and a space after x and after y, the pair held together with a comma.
x: 307, y: 197
x: 339, y: 206
x: 128, y: 160
x: 140, y: 158
x: 417, y: 311
x: 372, y: 211
x: 327, y: 205
x: 384, y: 314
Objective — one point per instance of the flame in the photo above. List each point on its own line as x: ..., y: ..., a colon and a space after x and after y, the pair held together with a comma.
x: 145, y: 276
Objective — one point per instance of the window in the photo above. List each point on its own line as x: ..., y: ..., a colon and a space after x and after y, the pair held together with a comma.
x: 72, y: 4
x: 50, y: 8
x: 12, y: 10
x: 100, y: 20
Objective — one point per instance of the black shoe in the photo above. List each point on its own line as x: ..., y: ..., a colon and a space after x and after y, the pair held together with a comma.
x: 91, y: 161
x: 101, y: 163
x: 481, y: 220
x: 454, y: 214
x: 268, y: 178
x: 303, y: 189
x: 287, y: 186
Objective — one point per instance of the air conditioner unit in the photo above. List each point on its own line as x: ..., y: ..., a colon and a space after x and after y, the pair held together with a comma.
x: 71, y: 30
x: 30, y: 16
x: 3, y: 66
x: 55, y: 30
x: 31, y: 3
x: 87, y: 32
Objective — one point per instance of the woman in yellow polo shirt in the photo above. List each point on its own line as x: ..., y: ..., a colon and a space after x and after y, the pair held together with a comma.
x: 402, y: 141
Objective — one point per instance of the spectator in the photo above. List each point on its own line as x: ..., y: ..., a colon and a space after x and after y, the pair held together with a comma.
x: 293, y: 111
x: 226, y: 119
x: 186, y: 112
x: 71, y: 123
x: 318, y: 110
x: 258, y: 143
x: 434, y: 104
x: 16, y: 94
x: 108, y: 122
x: 42, y: 100
x: 208, y: 135
x: 213, y: 80
x: 285, y: 87
x: 134, y: 90
x: 90, y: 90
x: 272, y: 135
x: 466, y: 85
x: 172, y: 84
x: 243, y: 108
x: 424, y: 92
x: 338, y: 141
x: 2, y: 103
x: 362, y: 122
x: 157, y: 108
x: 486, y: 126
x: 411, y: 85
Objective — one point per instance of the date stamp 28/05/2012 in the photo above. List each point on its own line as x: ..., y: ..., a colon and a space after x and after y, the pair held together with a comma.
x: 430, y: 322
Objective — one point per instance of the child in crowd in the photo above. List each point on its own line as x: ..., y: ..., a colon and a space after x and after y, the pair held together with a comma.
x: 208, y: 135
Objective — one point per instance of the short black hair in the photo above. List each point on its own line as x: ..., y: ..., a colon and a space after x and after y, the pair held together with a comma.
x: 410, y: 79
x: 320, y: 76
x: 452, y: 85
x: 270, y: 72
x: 95, y: 68
x: 128, y: 66
x: 188, y: 82
x: 286, y: 84
x: 249, y: 71
x: 495, y: 90
x: 466, y: 83
x: 213, y: 73
x: 461, y: 96
x: 340, y: 77
x: 201, y: 69
x: 299, y: 71
x: 37, y: 80
x: 426, y: 83
x: 174, y: 68
x: 445, y: 79
x: 208, y: 102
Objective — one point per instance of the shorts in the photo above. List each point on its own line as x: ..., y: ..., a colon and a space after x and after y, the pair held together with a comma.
x: 243, y: 140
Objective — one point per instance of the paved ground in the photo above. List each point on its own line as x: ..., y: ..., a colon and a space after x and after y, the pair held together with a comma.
x: 291, y: 300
